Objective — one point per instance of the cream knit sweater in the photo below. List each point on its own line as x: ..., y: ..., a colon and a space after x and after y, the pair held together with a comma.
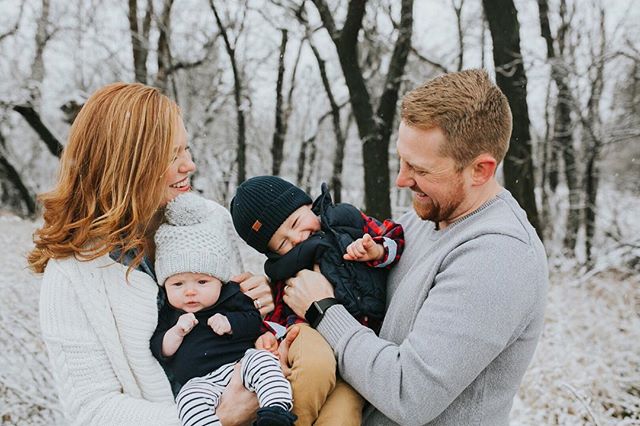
x: 97, y: 328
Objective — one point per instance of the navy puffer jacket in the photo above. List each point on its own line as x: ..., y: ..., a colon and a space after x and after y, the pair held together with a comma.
x: 358, y: 286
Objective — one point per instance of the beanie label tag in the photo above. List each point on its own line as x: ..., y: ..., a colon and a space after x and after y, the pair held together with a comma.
x: 256, y: 225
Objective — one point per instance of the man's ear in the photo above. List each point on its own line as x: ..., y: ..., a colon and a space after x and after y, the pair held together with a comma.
x: 483, y: 169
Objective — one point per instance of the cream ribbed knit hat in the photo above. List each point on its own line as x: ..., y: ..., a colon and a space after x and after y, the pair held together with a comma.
x: 193, y: 238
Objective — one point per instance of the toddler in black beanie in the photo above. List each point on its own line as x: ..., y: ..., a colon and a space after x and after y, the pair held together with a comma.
x: 353, y: 251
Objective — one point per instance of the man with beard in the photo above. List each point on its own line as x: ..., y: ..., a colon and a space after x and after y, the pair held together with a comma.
x: 465, y: 303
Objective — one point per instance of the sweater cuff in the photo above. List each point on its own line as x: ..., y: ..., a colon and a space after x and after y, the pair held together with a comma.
x: 337, y: 324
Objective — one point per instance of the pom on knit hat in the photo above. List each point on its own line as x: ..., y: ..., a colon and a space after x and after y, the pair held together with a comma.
x: 261, y: 205
x: 193, y: 238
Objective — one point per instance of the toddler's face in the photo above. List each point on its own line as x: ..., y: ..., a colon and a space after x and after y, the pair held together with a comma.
x: 192, y: 292
x: 296, y: 228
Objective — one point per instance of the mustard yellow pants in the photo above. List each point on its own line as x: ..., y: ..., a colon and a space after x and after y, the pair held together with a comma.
x: 318, y: 397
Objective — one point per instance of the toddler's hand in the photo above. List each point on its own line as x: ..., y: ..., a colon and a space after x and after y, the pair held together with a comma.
x: 268, y: 342
x: 186, y: 322
x: 364, y: 249
x: 219, y: 324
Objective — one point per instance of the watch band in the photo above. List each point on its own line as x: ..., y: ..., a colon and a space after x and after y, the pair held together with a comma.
x: 316, y: 311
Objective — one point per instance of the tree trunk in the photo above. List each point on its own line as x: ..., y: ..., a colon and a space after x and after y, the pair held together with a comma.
x: 510, y: 76
x: 37, y: 68
x: 563, y: 138
x: 338, y: 160
x: 388, y: 106
x: 374, y: 128
x: 457, y: 8
x: 591, y: 190
x: 595, y: 143
x: 139, y: 41
x: 241, y: 158
x: 164, y: 48
x: 545, y: 153
x: 563, y: 126
x: 11, y: 180
x: 279, y: 133
x: 302, y: 177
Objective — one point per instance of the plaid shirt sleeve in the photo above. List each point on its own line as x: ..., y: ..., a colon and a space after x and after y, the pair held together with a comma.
x: 381, y: 230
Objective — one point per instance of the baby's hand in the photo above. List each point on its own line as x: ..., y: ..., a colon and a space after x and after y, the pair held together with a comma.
x: 219, y: 324
x: 268, y: 342
x: 186, y: 322
x: 364, y: 249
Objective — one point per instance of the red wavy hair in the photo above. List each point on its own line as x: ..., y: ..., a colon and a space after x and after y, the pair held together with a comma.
x: 111, y: 179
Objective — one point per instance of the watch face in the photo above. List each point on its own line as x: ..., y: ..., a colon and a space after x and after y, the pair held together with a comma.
x: 317, y: 309
x: 312, y: 313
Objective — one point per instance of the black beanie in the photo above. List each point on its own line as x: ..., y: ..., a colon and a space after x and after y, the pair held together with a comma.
x: 261, y: 205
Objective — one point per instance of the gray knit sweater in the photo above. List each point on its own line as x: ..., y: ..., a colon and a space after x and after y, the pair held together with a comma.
x: 465, y: 311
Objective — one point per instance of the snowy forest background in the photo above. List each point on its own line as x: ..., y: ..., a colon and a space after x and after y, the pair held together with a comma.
x: 297, y: 88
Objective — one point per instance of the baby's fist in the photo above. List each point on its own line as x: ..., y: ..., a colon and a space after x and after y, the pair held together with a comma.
x: 268, y: 342
x: 364, y: 249
x: 219, y: 324
x: 186, y: 322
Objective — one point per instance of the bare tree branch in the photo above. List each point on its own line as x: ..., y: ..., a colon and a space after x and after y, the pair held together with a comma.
x: 15, y: 27
x: 431, y: 62
x: 34, y: 120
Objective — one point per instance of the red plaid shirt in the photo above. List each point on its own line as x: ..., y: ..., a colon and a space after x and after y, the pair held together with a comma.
x: 283, y: 315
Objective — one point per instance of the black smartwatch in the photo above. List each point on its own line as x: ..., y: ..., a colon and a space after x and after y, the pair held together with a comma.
x: 316, y: 311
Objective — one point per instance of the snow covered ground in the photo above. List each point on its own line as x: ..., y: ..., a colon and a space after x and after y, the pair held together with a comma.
x: 586, y: 370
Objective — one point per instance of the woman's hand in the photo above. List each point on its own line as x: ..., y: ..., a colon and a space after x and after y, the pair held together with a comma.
x: 258, y: 289
x: 305, y: 288
x: 238, y: 405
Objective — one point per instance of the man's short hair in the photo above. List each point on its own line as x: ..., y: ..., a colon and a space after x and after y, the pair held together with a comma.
x: 469, y: 108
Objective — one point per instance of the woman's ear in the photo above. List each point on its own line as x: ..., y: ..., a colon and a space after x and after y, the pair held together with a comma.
x: 483, y: 169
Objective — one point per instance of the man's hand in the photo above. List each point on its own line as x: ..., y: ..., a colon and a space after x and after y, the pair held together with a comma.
x: 185, y: 323
x: 305, y: 288
x: 364, y: 250
x: 219, y: 324
x: 257, y: 288
x: 238, y: 405
x: 283, y: 349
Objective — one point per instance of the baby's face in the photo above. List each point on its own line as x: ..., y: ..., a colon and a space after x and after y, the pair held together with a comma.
x: 192, y: 292
x: 295, y: 229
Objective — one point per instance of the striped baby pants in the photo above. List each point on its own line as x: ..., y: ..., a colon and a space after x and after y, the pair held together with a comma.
x: 261, y: 373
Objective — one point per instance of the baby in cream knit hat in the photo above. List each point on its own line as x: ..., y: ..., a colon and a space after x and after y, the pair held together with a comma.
x: 208, y: 324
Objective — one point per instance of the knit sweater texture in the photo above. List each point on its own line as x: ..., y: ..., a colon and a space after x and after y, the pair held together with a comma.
x: 465, y: 310
x: 97, y: 328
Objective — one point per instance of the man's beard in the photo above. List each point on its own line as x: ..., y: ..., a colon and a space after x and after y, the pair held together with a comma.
x: 443, y: 210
